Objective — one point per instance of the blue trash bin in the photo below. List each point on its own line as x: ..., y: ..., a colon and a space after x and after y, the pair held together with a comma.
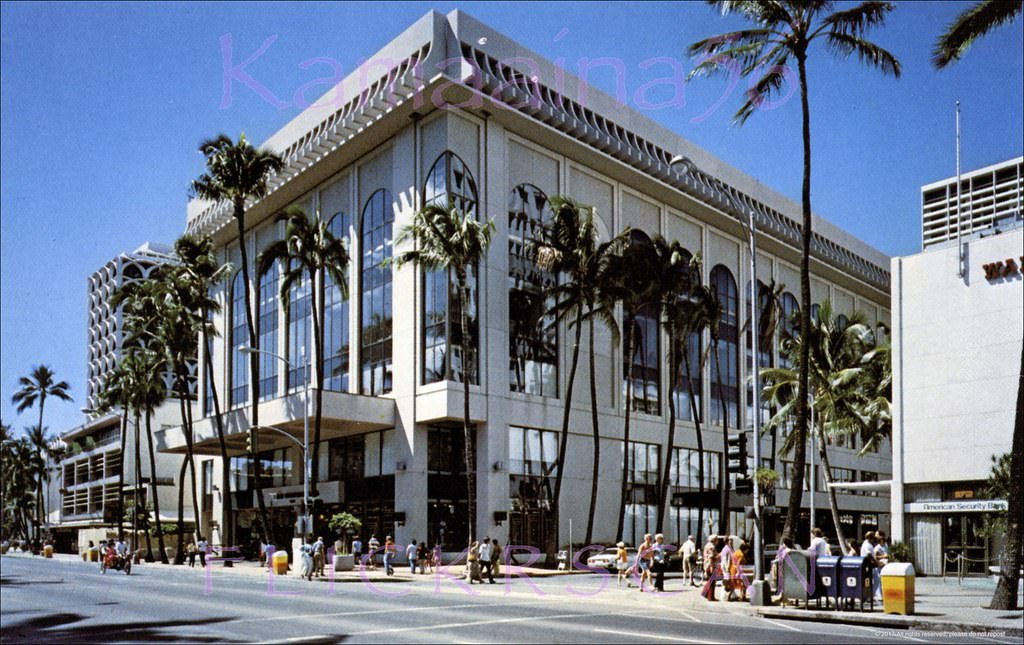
x: 827, y: 576
x: 855, y: 581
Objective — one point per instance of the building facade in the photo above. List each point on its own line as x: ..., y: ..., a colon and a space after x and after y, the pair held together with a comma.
x: 956, y: 369
x: 453, y: 112
x: 84, y: 495
x: 987, y: 197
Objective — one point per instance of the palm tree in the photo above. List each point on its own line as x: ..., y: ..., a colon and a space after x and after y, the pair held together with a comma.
x: 37, y: 386
x: 309, y: 252
x: 971, y: 25
x: 235, y: 173
x: 784, y: 31
x: 837, y: 367
x: 199, y: 271
x: 445, y: 237
x: 115, y: 395
x: 40, y: 441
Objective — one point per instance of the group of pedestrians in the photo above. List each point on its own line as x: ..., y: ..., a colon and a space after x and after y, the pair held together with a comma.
x: 483, y: 560
x: 723, y: 563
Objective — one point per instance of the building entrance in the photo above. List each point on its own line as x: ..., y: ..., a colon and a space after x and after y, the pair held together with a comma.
x: 961, y: 535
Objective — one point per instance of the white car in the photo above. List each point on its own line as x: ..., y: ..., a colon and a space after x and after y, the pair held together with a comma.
x: 606, y: 559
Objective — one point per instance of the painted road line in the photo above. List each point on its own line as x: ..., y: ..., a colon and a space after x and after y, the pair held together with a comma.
x: 782, y: 625
x: 635, y: 634
x: 475, y: 623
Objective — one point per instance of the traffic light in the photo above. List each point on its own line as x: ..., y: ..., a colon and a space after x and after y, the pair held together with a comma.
x: 737, y: 455
x: 250, y: 441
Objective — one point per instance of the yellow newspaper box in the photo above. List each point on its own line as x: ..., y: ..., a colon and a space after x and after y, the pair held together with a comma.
x: 48, y: 551
x: 280, y: 563
x: 898, y: 588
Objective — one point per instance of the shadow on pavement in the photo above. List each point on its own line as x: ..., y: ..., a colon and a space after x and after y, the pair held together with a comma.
x: 60, y: 627
x: 14, y: 582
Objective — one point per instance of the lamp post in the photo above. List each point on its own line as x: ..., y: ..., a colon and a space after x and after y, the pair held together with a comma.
x: 305, y: 433
x: 689, y: 168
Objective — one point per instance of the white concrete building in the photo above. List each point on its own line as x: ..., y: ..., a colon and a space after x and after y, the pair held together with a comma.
x: 453, y: 110
x: 956, y: 367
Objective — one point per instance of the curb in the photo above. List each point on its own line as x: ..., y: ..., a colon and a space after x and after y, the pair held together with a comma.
x: 892, y: 621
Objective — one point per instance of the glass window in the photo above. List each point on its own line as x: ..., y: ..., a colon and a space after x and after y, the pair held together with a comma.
x: 533, y: 334
x: 239, y: 338
x: 266, y: 331
x: 725, y: 363
x: 642, y: 490
x: 336, y: 328
x: 789, y: 326
x: 299, y: 332
x: 643, y: 367
x: 376, y: 236
x: 449, y: 184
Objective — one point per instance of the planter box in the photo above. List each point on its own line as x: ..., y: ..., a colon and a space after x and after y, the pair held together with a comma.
x: 344, y: 562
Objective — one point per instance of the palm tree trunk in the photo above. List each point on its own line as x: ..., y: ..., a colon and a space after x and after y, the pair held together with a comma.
x: 628, y: 362
x: 179, y: 553
x: 254, y: 370
x: 796, y: 488
x: 670, y: 439
x: 1005, y: 595
x: 564, y: 439
x: 228, y: 520
x: 190, y: 438
x: 467, y: 430
x: 138, y: 486
x: 597, y: 442
x: 156, y: 495
x: 827, y: 471
x: 42, y: 461
x: 698, y: 429
x: 317, y: 289
x: 723, y: 509
x: 120, y: 476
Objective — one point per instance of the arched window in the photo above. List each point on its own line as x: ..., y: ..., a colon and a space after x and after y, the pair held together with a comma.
x: 449, y: 183
x: 336, y: 336
x: 375, y: 356
x: 533, y: 336
x: 238, y: 339
x: 814, y: 312
x: 299, y: 332
x: 764, y: 348
x: 789, y: 326
x: 690, y: 380
x: 842, y: 322
x: 725, y: 365
x: 266, y: 331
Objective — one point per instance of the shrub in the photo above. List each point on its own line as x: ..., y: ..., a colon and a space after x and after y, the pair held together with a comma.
x: 901, y: 552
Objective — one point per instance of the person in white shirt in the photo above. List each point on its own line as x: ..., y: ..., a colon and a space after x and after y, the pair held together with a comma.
x: 881, y: 555
x: 374, y: 546
x: 689, y: 559
x: 410, y: 554
x: 485, y: 560
x: 867, y: 551
x: 819, y: 543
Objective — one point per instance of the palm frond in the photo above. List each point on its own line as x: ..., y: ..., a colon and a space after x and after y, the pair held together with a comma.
x: 971, y: 25
x: 869, y: 53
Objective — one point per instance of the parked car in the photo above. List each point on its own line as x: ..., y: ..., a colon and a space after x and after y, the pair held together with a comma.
x: 606, y: 559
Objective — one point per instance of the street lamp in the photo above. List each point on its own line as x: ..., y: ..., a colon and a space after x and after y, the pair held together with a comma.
x: 689, y: 168
x: 305, y: 432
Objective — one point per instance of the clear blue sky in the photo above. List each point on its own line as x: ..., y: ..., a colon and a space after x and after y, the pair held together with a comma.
x: 103, y: 105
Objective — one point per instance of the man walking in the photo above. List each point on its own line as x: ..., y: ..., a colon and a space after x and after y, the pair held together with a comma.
x: 819, y: 544
x: 374, y: 545
x: 201, y: 547
x: 485, y: 560
x: 318, y: 556
x: 689, y: 559
x: 659, y: 557
x: 410, y: 554
x: 495, y: 556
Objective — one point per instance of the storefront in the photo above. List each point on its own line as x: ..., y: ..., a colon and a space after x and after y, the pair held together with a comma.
x: 954, y: 535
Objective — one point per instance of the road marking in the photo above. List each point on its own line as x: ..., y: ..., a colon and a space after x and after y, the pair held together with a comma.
x: 674, y: 639
x: 297, y: 639
x: 783, y: 625
x: 692, y: 619
x: 474, y: 623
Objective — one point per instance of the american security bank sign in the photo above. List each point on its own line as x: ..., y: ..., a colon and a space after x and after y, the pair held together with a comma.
x: 973, y: 506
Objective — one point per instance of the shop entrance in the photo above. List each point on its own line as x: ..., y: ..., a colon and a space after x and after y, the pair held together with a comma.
x: 961, y: 536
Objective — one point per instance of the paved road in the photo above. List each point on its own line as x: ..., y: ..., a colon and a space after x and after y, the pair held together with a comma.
x: 66, y: 601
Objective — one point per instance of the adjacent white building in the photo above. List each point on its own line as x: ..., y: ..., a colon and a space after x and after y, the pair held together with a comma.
x: 452, y: 110
x: 958, y: 316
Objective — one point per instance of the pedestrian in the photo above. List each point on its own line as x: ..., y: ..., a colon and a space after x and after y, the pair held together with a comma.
x: 270, y: 548
x: 819, y: 543
x: 739, y: 583
x: 357, y: 550
x: 319, y: 555
x: 201, y: 546
x: 410, y: 555
x: 192, y: 554
x: 711, y: 568
x: 725, y: 557
x: 621, y: 563
x: 103, y: 555
x: 881, y: 556
x: 435, y: 560
x: 851, y: 548
x: 306, y: 561
x: 374, y: 546
x: 689, y: 559
x: 423, y: 556
x: 659, y: 561
x: 867, y: 551
x: 643, y: 560
x: 389, y: 555
x: 485, y: 559
x: 495, y: 557
x: 473, y: 563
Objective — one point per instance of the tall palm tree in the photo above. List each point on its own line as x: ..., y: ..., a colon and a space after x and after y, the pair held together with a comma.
x: 969, y: 26
x: 785, y: 30
x: 199, y: 272
x: 837, y: 351
x: 309, y: 253
x: 40, y: 440
x: 37, y: 386
x: 235, y: 173
x: 115, y: 395
x: 446, y: 238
